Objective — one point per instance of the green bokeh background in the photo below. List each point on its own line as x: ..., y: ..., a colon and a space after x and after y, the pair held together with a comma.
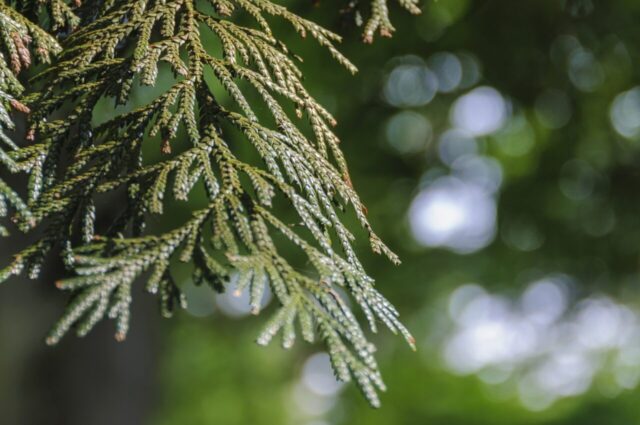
x: 206, y: 370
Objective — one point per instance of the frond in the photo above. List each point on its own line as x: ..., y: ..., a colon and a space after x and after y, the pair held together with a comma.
x: 373, y: 15
x: 239, y: 232
x: 22, y: 42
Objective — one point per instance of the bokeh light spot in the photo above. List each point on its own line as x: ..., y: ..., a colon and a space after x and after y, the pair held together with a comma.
x: 480, y: 112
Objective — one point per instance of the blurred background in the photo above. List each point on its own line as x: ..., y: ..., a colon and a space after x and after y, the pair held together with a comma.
x: 497, y: 146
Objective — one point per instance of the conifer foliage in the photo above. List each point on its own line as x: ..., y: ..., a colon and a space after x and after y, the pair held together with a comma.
x: 74, y: 157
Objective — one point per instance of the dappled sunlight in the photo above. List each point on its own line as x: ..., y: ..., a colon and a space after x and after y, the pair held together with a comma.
x: 544, y: 345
